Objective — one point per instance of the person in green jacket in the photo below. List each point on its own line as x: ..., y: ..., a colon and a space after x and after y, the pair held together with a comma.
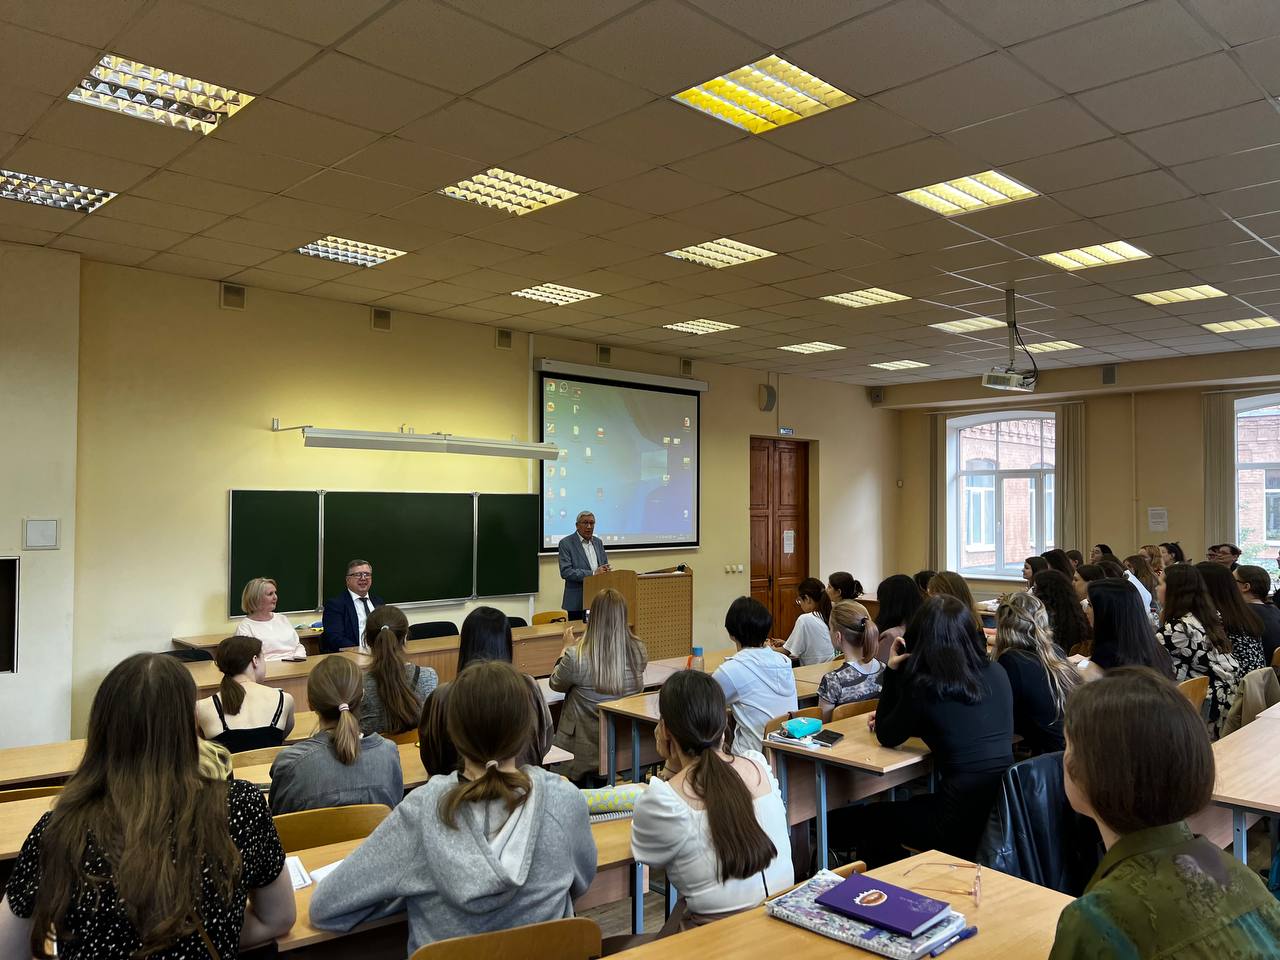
x: 1138, y: 763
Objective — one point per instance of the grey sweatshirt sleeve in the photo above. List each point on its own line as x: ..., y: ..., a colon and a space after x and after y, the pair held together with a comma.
x: 370, y: 882
x: 570, y: 811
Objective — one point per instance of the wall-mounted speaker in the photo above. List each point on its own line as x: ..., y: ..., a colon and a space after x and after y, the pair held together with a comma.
x: 231, y: 296
x: 502, y: 339
x: 604, y: 354
x: 768, y: 397
x: 686, y: 367
x: 380, y: 319
x: 1109, y: 375
x: 875, y: 395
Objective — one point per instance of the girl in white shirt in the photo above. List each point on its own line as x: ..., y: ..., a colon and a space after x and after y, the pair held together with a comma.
x: 718, y: 826
x: 810, y: 640
x: 279, y: 639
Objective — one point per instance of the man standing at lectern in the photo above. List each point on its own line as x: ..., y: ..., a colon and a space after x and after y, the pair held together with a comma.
x: 581, y: 555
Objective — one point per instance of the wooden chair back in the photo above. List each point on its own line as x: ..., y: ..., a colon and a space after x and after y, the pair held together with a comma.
x: 855, y: 709
x: 551, y: 616
x: 776, y: 722
x: 29, y: 793
x: 858, y: 866
x: 254, y: 758
x: 315, y: 828
x: 409, y: 736
x: 574, y: 938
x: 1195, y: 690
x: 1275, y: 658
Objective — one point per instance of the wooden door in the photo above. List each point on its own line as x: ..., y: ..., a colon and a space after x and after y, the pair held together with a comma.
x: 779, y: 526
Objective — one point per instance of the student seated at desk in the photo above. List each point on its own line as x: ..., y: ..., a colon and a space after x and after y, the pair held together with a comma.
x: 1138, y: 763
x: 494, y: 846
x: 718, y: 826
x: 946, y: 692
x: 336, y: 766
x: 1040, y: 677
x: 1067, y: 622
x: 859, y: 678
x: 394, y: 689
x: 142, y: 852
x: 486, y: 635
x: 279, y: 639
x: 244, y: 714
x: 899, y: 598
x: 948, y: 583
x: 758, y: 683
x: 1192, y: 632
x: 810, y: 640
x: 1122, y: 633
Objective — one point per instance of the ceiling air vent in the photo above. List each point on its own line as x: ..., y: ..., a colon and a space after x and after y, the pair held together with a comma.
x: 380, y: 319
x: 1109, y: 375
x: 502, y: 339
x: 686, y: 367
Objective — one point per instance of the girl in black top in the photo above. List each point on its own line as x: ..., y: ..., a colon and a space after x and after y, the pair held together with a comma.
x: 1239, y: 619
x: 1071, y: 631
x: 1039, y: 676
x: 1122, y: 633
x: 949, y: 694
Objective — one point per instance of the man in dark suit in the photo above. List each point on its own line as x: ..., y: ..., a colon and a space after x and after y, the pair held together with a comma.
x: 581, y: 555
x: 345, y: 614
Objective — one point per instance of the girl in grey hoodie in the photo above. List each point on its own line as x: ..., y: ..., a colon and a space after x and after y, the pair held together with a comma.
x: 492, y: 847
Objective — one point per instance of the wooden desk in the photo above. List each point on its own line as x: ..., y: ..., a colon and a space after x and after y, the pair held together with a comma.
x: 310, y: 637
x: 855, y: 768
x: 1248, y: 780
x: 29, y: 766
x: 814, y: 673
x: 1016, y: 921
x: 17, y: 818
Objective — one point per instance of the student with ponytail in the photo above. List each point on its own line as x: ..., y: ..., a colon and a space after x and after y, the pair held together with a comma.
x: 810, y: 640
x: 718, y: 826
x: 244, y: 714
x: 853, y: 630
x: 336, y: 766
x: 489, y: 847
x: 394, y: 688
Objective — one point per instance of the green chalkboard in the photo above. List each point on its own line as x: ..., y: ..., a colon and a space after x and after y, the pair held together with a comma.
x: 276, y: 534
x: 507, y: 544
x: 420, y: 544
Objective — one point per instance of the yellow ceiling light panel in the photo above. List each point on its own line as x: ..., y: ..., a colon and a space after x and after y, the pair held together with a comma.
x: 350, y: 251
x: 813, y: 346
x: 1181, y: 295
x: 898, y: 365
x: 29, y: 188
x: 764, y: 95
x: 507, y: 191
x: 1240, y: 326
x: 964, y: 194
x: 721, y: 253
x: 554, y: 293
x: 1098, y: 255
x: 700, y: 327
x: 1052, y: 346
x: 968, y: 324
x: 870, y: 297
x: 160, y: 96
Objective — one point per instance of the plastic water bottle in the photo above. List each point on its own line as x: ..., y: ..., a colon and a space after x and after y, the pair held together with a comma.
x: 696, y: 661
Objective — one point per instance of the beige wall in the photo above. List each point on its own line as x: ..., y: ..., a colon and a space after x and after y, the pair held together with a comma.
x: 39, y: 322
x: 177, y: 396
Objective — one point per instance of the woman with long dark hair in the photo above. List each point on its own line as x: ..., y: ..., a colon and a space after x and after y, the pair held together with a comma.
x: 810, y: 640
x: 1122, y: 633
x: 1031, y: 566
x: 1058, y: 560
x: 142, y: 853
x: 899, y: 598
x: 394, y: 688
x: 1242, y: 625
x: 948, y: 583
x: 1067, y: 621
x: 1171, y: 552
x: 718, y: 826
x: 1192, y: 632
x: 842, y: 586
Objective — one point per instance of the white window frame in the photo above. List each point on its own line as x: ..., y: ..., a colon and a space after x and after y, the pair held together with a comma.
x: 1244, y: 406
x: 1003, y: 567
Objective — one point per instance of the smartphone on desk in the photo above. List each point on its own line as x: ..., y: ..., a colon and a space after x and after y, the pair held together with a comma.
x: 828, y: 737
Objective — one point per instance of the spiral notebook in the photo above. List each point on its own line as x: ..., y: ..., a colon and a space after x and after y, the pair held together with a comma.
x: 801, y: 907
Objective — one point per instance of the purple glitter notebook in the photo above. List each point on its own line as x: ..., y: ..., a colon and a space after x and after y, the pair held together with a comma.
x: 883, y: 905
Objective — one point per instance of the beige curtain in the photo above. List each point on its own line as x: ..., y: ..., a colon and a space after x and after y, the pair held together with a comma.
x: 1070, y: 506
x: 1219, y: 411
x: 938, y: 491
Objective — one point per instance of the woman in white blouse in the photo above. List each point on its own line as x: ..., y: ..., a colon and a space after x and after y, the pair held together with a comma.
x: 279, y: 639
x: 717, y: 826
x: 810, y: 640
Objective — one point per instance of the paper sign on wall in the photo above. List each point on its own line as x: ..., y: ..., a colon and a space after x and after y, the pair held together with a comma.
x: 788, y: 541
x: 1158, y: 519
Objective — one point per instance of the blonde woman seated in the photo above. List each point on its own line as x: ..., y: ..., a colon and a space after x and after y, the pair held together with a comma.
x: 336, y: 766
x: 1039, y: 675
x: 718, y: 826
x: 854, y: 632
x: 244, y: 714
x: 394, y: 688
x: 606, y: 664
x: 279, y: 638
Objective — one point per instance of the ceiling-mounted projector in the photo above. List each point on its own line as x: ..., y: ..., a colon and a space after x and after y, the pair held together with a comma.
x: 1011, y: 378
x: 1022, y: 381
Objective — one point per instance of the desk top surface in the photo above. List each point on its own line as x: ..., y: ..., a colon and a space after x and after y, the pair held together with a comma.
x: 859, y: 749
x: 1016, y: 920
x: 1248, y: 769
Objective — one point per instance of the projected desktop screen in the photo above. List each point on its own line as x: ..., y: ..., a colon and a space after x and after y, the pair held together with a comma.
x: 628, y: 453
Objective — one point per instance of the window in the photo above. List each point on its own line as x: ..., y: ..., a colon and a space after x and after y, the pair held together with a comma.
x: 1258, y: 479
x: 1001, y: 487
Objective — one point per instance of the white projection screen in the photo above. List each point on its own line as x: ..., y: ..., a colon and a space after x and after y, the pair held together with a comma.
x: 628, y: 453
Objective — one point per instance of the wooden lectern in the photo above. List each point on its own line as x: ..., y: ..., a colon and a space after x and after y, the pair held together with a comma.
x: 659, y: 607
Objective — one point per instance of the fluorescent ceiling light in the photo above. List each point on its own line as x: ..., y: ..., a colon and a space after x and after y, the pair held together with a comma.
x: 511, y: 192
x: 554, y: 293
x: 977, y: 192
x: 720, y: 253
x: 898, y: 365
x: 1098, y: 255
x: 426, y: 443
x: 764, y: 95
x: 1181, y: 295
x: 350, y: 251
x: 700, y: 326
x: 1237, y: 326
x: 968, y: 325
x: 870, y: 297
x: 51, y: 193
x: 160, y: 96
x: 1052, y: 346
x: 813, y: 346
